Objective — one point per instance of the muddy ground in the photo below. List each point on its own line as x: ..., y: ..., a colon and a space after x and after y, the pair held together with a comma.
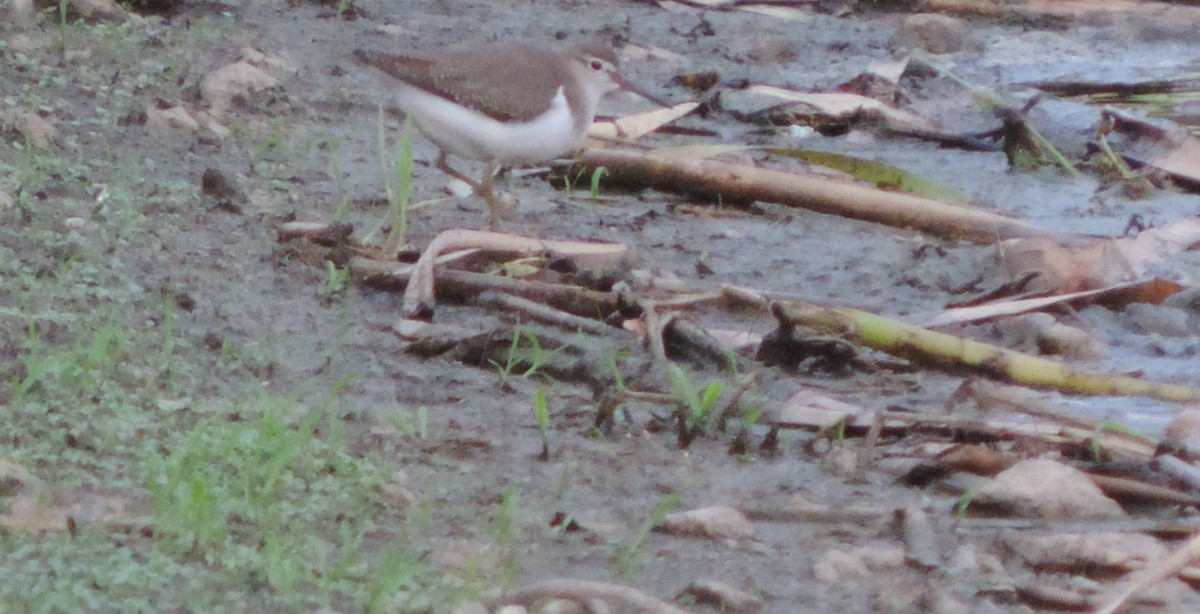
x: 152, y: 332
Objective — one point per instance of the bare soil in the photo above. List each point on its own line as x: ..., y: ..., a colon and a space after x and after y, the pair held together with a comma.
x: 458, y: 444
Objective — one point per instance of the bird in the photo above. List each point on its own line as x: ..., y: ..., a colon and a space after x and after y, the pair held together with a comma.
x: 505, y: 104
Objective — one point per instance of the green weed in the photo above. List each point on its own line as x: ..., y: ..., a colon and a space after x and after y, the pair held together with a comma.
x: 399, y: 583
x: 542, y: 411
x: 337, y: 279
x: 529, y: 356
x: 629, y: 556
x: 507, y: 535
x: 696, y: 407
x: 397, y: 184
x: 964, y: 501
x: 405, y: 423
x: 597, y: 174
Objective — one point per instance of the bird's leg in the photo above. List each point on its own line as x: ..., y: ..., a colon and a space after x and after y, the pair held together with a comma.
x: 495, y: 207
x: 444, y: 166
x: 498, y: 204
x: 501, y: 205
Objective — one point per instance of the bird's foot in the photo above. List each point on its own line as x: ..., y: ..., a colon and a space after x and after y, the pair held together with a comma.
x: 501, y: 206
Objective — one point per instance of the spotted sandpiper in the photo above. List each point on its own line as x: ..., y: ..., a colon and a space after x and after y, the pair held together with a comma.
x: 504, y: 104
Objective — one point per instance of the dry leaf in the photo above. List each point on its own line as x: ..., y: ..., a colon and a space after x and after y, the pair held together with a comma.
x: 1175, y: 151
x: 635, y: 126
x: 813, y: 409
x: 1152, y: 291
x: 1065, y: 266
x: 1155, y: 244
x: 842, y: 106
x: 1082, y: 264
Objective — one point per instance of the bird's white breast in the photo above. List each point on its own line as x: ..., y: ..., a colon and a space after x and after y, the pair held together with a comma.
x: 470, y: 134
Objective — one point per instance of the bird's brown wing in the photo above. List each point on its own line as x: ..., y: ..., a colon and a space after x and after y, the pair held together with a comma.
x: 513, y: 83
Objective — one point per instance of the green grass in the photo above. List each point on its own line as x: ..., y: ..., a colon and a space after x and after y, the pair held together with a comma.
x: 270, y: 500
x: 241, y: 492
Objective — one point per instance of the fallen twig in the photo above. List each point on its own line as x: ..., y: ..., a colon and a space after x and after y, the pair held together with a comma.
x: 418, y: 295
x: 950, y: 352
x: 1152, y: 575
x: 734, y: 182
x: 545, y: 314
x: 464, y: 285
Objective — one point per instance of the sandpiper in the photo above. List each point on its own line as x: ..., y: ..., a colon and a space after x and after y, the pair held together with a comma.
x: 505, y: 104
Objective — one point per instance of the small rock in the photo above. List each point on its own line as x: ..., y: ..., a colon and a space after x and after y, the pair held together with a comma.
x: 220, y: 186
x: 841, y: 462
x: 1046, y: 489
x: 1182, y: 436
x: 240, y: 79
x: 34, y: 130
x: 170, y: 118
x: 935, y: 34
x: 723, y: 597
x: 716, y: 522
x: 396, y: 492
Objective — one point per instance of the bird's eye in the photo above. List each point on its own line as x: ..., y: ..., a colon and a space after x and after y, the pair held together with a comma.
x: 597, y: 65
